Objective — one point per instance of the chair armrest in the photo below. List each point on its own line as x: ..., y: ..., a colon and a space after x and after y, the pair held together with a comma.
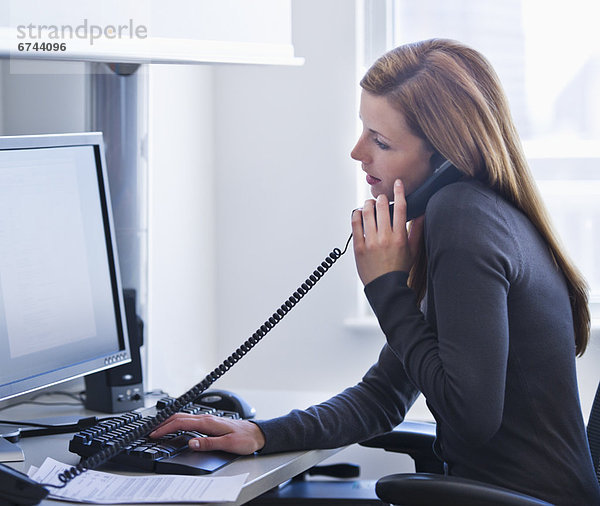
x: 413, y: 438
x: 405, y: 438
x: 426, y: 489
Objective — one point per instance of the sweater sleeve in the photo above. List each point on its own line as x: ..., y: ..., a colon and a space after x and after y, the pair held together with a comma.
x: 375, y: 405
x: 460, y: 365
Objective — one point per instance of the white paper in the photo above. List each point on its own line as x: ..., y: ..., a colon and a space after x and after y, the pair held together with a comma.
x: 104, y: 488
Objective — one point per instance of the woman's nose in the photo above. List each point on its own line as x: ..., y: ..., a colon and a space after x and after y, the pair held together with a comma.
x: 356, y: 152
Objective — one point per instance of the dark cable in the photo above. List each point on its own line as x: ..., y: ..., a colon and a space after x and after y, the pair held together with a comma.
x: 32, y: 400
x: 145, y: 428
x: 79, y: 424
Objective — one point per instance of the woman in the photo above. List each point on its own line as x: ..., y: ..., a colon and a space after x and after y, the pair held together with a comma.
x: 482, y: 310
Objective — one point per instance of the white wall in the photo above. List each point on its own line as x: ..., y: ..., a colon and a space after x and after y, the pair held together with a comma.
x: 285, y: 188
x: 42, y: 97
x: 280, y: 191
x: 181, y: 261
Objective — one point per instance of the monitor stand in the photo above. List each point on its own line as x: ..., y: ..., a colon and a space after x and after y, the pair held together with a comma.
x: 10, y: 451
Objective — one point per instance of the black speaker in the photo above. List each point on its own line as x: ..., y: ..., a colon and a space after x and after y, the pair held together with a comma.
x: 120, y: 388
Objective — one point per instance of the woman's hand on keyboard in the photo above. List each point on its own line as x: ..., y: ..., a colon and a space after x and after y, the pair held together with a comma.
x: 234, y: 436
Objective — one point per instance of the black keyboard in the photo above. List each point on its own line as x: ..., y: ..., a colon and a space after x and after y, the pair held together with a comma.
x: 167, y: 455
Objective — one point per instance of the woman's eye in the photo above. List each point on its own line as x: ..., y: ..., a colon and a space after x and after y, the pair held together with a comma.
x: 379, y: 144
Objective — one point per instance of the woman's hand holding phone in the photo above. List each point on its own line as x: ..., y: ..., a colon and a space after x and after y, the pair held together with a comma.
x: 379, y: 247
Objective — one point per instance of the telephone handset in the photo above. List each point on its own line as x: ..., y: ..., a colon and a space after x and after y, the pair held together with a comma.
x: 416, y: 202
x: 18, y: 489
x: 445, y: 174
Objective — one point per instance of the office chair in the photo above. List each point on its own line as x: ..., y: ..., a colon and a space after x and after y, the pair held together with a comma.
x: 429, y: 487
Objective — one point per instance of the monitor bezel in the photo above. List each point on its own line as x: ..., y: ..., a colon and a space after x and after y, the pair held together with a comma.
x: 118, y: 357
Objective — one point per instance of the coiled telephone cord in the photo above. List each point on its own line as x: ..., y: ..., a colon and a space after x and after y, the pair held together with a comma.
x: 148, y: 426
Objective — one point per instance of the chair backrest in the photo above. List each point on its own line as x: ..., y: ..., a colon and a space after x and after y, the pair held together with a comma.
x: 593, y: 433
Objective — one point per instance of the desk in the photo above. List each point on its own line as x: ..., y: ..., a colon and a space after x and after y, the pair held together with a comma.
x: 265, y: 471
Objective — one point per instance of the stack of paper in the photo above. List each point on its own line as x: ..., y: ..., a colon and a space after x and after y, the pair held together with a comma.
x: 107, y: 488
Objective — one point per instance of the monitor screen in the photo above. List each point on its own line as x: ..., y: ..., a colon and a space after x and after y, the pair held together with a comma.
x: 61, y: 304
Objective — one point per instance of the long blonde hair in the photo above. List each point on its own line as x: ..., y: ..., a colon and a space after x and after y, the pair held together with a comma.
x: 451, y: 96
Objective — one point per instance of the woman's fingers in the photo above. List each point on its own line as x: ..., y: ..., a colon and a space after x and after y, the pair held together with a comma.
x: 357, y: 227
x: 399, y: 207
x: 382, y: 245
x: 382, y: 207
x: 181, y: 421
x: 368, y: 218
x: 234, y: 436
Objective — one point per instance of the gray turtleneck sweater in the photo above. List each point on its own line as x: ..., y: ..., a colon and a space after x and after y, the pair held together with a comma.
x: 492, y: 350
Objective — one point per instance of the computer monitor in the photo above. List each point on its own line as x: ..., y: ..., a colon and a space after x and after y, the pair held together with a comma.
x: 61, y: 303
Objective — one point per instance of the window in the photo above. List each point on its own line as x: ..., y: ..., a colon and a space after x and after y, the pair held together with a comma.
x: 547, y: 54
